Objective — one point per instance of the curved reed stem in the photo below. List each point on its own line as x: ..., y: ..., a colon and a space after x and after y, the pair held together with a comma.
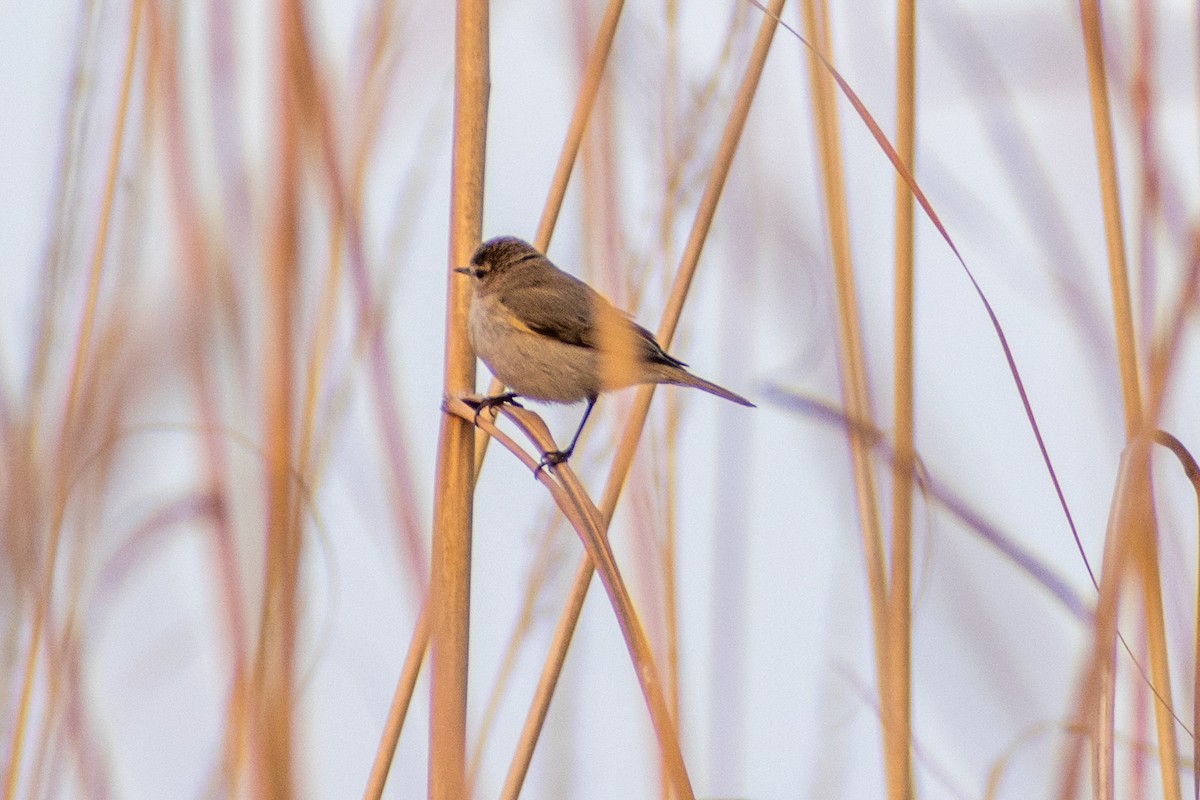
x: 631, y: 433
x: 590, y: 524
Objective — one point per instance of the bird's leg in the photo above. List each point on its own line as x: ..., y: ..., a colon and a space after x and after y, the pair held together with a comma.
x: 492, y: 402
x: 556, y: 457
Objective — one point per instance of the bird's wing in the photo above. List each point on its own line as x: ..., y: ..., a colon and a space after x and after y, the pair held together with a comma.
x: 562, y: 309
x: 572, y: 312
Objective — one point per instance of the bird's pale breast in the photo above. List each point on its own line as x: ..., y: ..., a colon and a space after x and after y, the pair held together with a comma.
x: 532, y: 365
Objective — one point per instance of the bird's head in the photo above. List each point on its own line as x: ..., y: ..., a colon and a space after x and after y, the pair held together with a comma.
x: 497, y: 256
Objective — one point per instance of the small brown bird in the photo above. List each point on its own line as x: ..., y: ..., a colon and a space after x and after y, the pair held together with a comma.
x: 549, y: 336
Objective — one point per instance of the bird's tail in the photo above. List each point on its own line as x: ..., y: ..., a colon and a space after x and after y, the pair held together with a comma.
x: 681, y: 377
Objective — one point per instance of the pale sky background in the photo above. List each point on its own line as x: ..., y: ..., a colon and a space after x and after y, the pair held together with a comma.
x: 792, y: 714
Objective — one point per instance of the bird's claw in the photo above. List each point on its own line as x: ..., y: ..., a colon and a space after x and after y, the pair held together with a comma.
x: 490, y: 402
x: 551, y: 459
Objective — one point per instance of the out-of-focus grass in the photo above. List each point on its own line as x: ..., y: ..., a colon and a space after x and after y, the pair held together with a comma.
x: 229, y: 353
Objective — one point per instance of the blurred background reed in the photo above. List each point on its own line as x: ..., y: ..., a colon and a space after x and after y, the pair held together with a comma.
x: 931, y: 563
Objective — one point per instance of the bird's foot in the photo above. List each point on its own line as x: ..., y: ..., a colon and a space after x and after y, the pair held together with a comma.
x: 483, y: 403
x: 552, y: 459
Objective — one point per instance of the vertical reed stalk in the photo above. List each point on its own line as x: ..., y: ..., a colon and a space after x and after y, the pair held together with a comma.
x: 897, y: 703
x: 450, y: 582
x: 855, y: 393
x: 276, y: 657
x: 670, y: 559
x: 1161, y: 362
x: 1142, y: 528
x: 1111, y: 203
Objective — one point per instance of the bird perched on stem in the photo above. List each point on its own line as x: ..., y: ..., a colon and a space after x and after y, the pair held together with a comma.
x: 549, y: 336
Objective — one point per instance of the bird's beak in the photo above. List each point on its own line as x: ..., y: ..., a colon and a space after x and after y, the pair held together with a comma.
x: 464, y: 270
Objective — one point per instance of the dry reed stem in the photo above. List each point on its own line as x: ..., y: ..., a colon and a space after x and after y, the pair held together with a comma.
x: 1196, y: 674
x: 1131, y: 501
x: 1143, y: 528
x: 1149, y: 210
x: 1151, y: 214
x: 1161, y: 362
x: 401, y: 698
x: 1132, y: 512
x: 877, y: 134
x: 346, y: 205
x: 162, y: 71
x: 1104, y: 731
x: 70, y: 417
x: 855, y: 393
x: 274, y: 669
x: 641, y: 653
x: 897, y: 704
x: 1111, y: 204
x: 882, y: 140
x: 583, y: 108
x: 590, y: 524
x: 627, y: 445
x: 670, y: 588
x: 325, y: 323
x: 1145, y: 537
x: 1163, y: 708
x: 450, y: 583
x: 1192, y: 472
x: 677, y: 153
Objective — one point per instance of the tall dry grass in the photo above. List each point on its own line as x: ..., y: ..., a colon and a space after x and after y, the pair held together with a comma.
x: 246, y: 510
